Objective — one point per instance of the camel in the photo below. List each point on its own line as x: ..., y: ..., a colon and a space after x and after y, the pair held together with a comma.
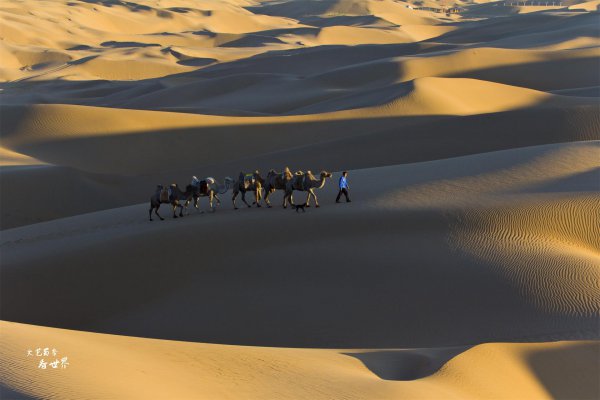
x: 174, y: 197
x: 248, y: 183
x: 210, y: 188
x: 277, y: 181
x: 306, y: 183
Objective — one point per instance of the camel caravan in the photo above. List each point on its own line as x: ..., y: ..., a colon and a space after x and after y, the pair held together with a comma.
x: 285, y: 181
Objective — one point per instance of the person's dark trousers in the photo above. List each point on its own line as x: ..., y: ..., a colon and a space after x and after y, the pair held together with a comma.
x: 345, y: 191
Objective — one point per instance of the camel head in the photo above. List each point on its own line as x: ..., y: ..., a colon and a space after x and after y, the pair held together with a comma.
x: 325, y: 174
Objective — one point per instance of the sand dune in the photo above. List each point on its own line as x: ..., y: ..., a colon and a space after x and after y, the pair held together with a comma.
x: 470, y: 246
x: 11, y: 158
x: 538, y: 233
x: 139, y: 367
x: 587, y: 6
x: 470, y: 230
x: 75, y: 49
x: 78, y: 32
x: 51, y: 132
x: 546, y: 280
x: 333, y: 145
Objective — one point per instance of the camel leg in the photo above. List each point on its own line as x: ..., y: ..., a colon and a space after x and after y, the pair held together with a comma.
x: 266, y: 197
x: 150, y: 211
x: 258, y: 196
x: 211, y: 197
x: 175, y: 205
x: 218, y: 200
x: 235, y: 194
x: 308, y: 199
x: 315, y: 196
x: 244, y: 199
x: 156, y: 212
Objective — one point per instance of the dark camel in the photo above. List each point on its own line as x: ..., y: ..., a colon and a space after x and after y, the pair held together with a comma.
x: 174, y: 199
x: 248, y: 183
x: 277, y: 181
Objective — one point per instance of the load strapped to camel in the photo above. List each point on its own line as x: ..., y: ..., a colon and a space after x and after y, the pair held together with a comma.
x: 203, y: 186
x: 163, y: 195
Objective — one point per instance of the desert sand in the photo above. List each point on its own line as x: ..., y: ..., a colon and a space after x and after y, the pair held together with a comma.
x: 466, y: 266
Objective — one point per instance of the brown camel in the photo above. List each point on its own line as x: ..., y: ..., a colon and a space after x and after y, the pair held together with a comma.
x: 174, y: 196
x: 210, y: 188
x: 248, y: 183
x: 277, y: 181
x: 306, y: 183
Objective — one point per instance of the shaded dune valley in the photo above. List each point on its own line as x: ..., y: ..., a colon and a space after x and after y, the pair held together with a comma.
x: 466, y: 266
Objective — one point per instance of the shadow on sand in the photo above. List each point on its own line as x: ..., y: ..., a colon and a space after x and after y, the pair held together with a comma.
x: 407, y: 365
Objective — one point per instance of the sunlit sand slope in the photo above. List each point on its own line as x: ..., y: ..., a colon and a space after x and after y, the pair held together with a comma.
x: 105, y: 366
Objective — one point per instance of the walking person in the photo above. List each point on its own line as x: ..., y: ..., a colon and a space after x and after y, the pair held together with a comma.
x: 344, y: 187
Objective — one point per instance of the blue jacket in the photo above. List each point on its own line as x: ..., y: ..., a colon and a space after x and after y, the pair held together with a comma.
x: 343, y: 183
